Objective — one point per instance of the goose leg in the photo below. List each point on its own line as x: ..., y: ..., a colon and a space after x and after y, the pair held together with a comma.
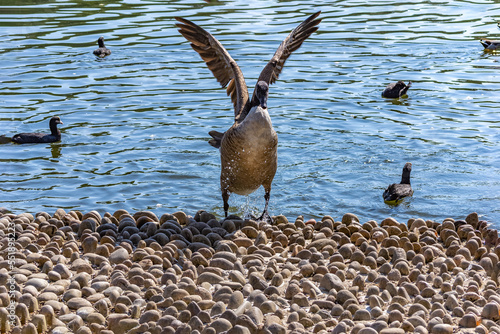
x: 225, y: 198
x: 265, y: 215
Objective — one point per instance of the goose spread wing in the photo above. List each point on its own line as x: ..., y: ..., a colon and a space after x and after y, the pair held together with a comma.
x: 292, y: 42
x: 218, y: 60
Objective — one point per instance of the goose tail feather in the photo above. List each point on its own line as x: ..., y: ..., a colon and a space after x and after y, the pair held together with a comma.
x: 216, y: 138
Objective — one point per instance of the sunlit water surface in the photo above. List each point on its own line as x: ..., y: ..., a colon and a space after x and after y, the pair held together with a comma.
x: 136, y: 123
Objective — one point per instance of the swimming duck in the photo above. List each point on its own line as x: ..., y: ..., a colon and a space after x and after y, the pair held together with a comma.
x: 490, y: 44
x: 102, y: 51
x: 248, y: 149
x: 396, y: 89
x: 55, y: 134
x: 397, y: 191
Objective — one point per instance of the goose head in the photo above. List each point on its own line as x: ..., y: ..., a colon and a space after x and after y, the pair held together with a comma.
x: 262, y: 92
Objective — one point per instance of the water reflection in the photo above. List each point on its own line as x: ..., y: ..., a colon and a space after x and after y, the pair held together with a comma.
x: 137, y: 121
x: 55, y: 149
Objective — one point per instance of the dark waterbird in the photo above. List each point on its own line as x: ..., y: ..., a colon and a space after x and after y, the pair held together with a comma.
x: 396, y: 89
x: 397, y: 191
x: 490, y: 44
x: 35, y: 137
x: 101, y: 51
x: 248, y: 150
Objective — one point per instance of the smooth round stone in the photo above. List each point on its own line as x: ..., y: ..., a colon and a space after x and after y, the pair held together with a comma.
x: 344, y: 295
x: 379, y: 325
x: 38, y: 283
x: 84, y: 330
x: 209, y: 277
x: 349, y: 218
x: 83, y: 278
x: 67, y: 318
x: 30, y: 301
x: 367, y: 330
x: 396, y: 315
x: 341, y: 328
x: 54, y: 276
x: 83, y: 312
x: 235, y: 300
x: 72, y: 293
x: 222, y: 263
x: 62, y: 270
x: 195, y: 323
x: 331, y: 281
x: 255, y: 315
x: 361, y: 315
x: 392, y: 331
x: 30, y: 328
x: 301, y: 300
x: 291, y: 291
x: 221, y: 325
x: 100, y: 286
x: 491, y: 311
x: 30, y: 290
x: 442, y: 329
x: 376, y: 312
x: 96, y: 318
x: 124, y: 325
x: 179, y: 294
x: 56, y: 305
x: 60, y: 330
x: 451, y: 302
x: 469, y: 320
x: 46, y: 296
x: 119, y: 256
x: 76, y: 303
x: 217, y: 309
x: 416, y: 321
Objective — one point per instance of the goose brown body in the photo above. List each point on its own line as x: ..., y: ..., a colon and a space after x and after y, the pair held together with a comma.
x: 249, y: 154
x: 248, y: 149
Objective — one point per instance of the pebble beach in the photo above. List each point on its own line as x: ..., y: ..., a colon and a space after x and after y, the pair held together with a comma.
x: 125, y: 272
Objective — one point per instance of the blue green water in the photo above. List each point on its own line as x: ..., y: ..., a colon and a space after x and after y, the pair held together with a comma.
x: 136, y: 123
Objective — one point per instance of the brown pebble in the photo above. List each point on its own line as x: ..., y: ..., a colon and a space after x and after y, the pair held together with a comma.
x: 442, y: 329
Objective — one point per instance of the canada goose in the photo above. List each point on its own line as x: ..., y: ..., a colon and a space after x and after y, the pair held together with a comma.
x: 101, y: 51
x: 397, y: 191
x: 396, y: 89
x: 55, y: 134
x: 248, y: 149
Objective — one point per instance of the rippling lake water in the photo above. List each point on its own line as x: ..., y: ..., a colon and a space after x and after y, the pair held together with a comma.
x: 136, y: 123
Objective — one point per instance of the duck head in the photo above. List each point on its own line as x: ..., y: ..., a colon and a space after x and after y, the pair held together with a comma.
x: 53, y: 124
x: 402, y: 88
x: 100, y: 41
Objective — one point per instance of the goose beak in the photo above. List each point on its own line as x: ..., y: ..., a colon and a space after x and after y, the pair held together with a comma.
x: 263, y: 102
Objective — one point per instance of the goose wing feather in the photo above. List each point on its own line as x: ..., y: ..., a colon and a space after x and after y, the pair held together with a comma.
x: 218, y: 61
x: 292, y: 42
